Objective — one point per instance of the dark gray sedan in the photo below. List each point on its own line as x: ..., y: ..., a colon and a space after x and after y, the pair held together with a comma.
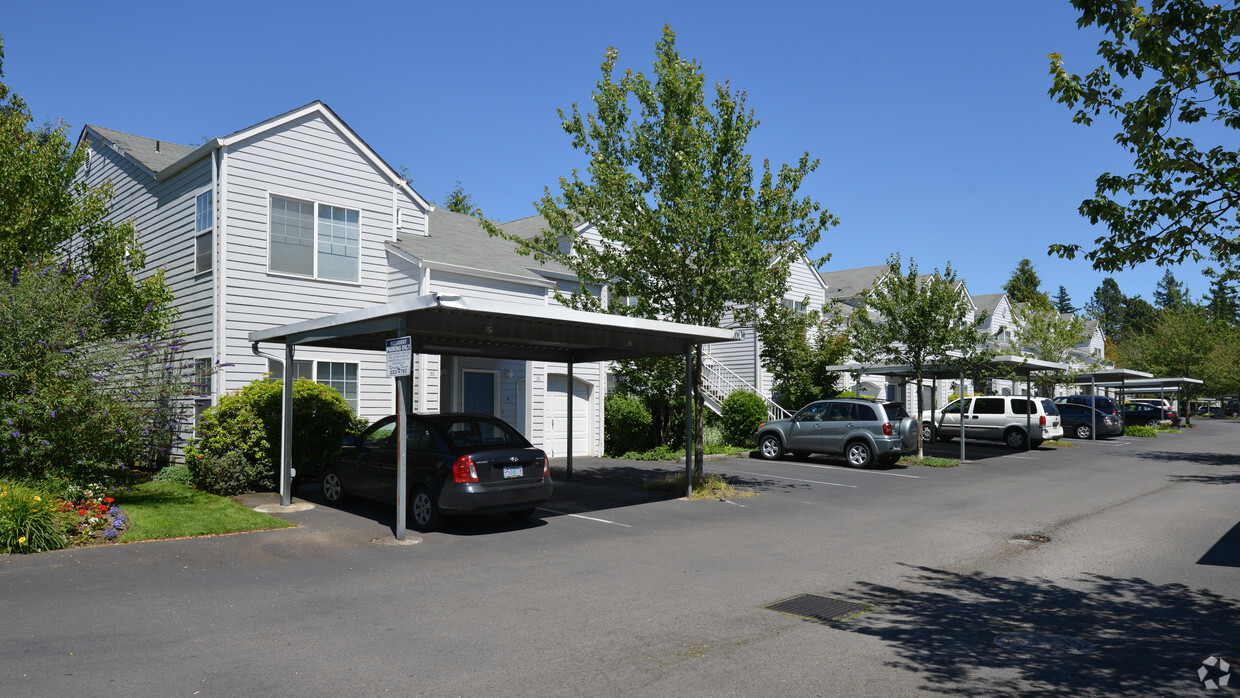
x: 456, y: 464
x: 864, y: 432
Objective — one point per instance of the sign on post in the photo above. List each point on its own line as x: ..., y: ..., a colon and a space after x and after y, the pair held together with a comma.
x: 399, y: 357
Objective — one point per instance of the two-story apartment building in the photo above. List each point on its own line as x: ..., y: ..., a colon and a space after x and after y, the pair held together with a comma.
x: 296, y: 218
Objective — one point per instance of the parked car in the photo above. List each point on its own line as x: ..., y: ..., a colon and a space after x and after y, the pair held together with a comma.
x: 1156, y: 402
x: 1101, y: 403
x: 455, y: 464
x: 1137, y: 413
x: 1015, y: 420
x: 864, y: 432
x: 1080, y: 420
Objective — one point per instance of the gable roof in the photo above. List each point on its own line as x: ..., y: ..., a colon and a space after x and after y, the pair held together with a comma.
x: 151, y: 155
x: 848, y: 283
x: 457, y: 242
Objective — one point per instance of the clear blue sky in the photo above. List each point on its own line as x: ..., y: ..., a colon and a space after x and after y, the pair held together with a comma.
x: 936, y: 135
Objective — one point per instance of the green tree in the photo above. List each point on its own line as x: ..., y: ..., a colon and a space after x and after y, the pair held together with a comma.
x: 1023, y: 286
x: 1169, y: 293
x: 1043, y: 333
x: 1223, y: 301
x: 1139, y: 317
x: 1176, y: 92
x: 1107, y: 307
x: 1063, y: 302
x: 48, y: 215
x: 683, y: 224
x: 460, y: 201
x: 1179, y: 343
x: 916, y: 320
x: 797, y: 347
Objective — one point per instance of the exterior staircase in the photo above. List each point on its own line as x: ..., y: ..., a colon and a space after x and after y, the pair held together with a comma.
x: 718, y: 382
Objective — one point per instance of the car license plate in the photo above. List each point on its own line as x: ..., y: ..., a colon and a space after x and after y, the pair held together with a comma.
x: 514, y: 472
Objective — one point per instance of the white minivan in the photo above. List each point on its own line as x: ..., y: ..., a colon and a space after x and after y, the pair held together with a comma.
x: 1016, y: 420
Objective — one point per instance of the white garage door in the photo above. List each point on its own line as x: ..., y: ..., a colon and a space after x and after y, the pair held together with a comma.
x: 557, y: 413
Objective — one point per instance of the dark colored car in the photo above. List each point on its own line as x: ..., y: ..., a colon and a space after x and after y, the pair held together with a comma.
x: 1137, y: 413
x: 1080, y: 420
x: 1102, y: 403
x: 455, y: 464
x: 862, y: 431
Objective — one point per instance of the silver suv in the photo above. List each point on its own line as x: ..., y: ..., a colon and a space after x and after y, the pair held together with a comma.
x: 862, y: 431
x: 1016, y: 420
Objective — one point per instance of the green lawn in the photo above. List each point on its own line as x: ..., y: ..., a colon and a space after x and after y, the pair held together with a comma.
x: 168, y: 510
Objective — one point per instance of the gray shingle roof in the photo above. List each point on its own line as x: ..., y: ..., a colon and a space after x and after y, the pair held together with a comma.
x: 152, y: 154
x: 988, y: 302
x: 459, y: 240
x: 847, y: 283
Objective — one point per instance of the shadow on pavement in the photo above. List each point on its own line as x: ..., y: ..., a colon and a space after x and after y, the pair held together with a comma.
x: 1148, y: 639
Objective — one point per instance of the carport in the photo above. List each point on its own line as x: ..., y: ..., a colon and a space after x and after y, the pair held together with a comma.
x: 1149, y: 385
x: 454, y: 325
x: 1110, y: 378
x: 1018, y: 365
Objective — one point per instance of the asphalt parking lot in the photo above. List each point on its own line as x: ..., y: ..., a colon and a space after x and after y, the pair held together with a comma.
x: 1129, y: 549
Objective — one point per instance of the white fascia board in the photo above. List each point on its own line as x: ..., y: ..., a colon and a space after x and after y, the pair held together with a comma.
x: 194, y: 156
x: 487, y: 274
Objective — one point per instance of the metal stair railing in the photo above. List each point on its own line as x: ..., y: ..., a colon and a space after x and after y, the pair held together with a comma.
x: 719, y: 381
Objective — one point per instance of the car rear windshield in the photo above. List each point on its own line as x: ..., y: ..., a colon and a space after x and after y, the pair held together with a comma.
x: 466, y: 432
x: 895, y: 410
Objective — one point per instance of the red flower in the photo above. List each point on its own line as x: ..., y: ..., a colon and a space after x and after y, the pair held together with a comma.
x: 109, y: 500
x: 82, y: 512
x: 102, y: 507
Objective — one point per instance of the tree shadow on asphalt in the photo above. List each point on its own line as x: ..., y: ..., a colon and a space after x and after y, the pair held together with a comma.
x: 1148, y: 639
x: 1202, y: 458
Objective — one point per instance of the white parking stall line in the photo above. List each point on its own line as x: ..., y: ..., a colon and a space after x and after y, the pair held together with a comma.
x: 797, y: 479
x: 854, y: 470
x: 583, y: 516
x: 1020, y: 457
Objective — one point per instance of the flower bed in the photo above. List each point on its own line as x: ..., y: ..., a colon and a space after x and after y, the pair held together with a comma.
x: 89, y: 516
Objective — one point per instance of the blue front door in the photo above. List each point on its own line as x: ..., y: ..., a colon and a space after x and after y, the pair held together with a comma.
x: 479, y: 392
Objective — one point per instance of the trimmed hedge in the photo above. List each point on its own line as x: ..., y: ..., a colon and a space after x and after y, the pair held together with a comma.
x: 743, y: 411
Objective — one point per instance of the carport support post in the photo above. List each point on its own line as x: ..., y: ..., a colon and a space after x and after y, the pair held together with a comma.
x: 402, y: 478
x: 1093, y: 402
x: 689, y: 420
x: 962, y: 394
x: 1029, y: 411
x: 568, y: 395
x: 286, y: 430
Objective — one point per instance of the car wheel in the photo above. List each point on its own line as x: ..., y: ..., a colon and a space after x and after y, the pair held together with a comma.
x: 424, y: 510
x: 521, y: 514
x: 1083, y: 431
x: 333, y: 488
x: 1015, y: 438
x: 859, y: 454
x: 1155, y: 422
x: 770, y: 447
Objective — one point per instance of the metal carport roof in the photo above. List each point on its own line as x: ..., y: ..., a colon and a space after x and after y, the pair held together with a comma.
x: 455, y: 325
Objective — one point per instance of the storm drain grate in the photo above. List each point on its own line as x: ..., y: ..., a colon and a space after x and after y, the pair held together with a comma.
x: 818, y: 608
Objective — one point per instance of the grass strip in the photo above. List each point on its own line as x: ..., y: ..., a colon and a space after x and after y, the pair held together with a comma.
x: 1056, y: 443
x: 930, y: 461
x: 708, y: 486
x: 168, y: 510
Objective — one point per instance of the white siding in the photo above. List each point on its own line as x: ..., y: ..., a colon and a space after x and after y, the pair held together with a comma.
x: 486, y: 289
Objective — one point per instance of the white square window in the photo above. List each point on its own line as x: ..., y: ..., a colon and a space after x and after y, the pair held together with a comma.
x: 314, y: 240
x: 204, y: 224
x: 342, y: 377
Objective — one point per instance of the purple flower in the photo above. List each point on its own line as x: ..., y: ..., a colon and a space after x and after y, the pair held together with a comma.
x: 16, y: 434
x: 13, y: 282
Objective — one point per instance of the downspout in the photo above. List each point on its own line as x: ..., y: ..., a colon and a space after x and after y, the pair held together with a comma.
x: 221, y: 300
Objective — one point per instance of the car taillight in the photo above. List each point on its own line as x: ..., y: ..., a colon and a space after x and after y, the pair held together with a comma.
x: 546, y: 466
x: 888, y: 430
x: 1042, y: 420
x: 463, y: 470
x: 1170, y: 414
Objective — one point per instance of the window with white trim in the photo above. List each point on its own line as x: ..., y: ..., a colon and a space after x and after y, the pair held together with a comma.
x: 340, y: 375
x: 204, y: 224
x: 312, y: 239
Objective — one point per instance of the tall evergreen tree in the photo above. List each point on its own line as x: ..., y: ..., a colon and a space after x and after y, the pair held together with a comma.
x: 1063, y: 303
x: 1107, y: 307
x: 1222, y: 301
x: 1170, y: 293
x: 1022, y: 287
x: 460, y: 201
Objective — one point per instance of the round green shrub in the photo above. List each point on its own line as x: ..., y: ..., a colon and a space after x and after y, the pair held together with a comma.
x: 626, y: 425
x: 248, y: 422
x: 178, y: 473
x: 229, y: 474
x: 743, y: 411
x: 1142, y: 431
